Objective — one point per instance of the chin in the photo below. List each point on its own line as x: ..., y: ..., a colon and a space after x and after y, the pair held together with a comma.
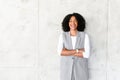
x: 73, y: 28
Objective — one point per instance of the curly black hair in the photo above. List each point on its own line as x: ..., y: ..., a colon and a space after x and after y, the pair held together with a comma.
x: 80, y: 19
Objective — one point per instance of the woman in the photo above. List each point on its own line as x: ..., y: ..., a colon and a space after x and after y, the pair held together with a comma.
x: 74, y: 48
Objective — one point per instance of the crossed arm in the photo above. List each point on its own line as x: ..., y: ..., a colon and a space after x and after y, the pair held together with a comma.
x: 66, y: 52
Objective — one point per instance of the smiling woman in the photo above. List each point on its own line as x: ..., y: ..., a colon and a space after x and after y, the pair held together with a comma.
x: 74, y: 48
x: 73, y: 23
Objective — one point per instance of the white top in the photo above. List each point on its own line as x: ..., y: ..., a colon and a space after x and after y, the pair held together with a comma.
x: 86, y: 45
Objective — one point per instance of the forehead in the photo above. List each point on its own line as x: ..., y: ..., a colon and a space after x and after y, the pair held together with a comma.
x: 73, y: 18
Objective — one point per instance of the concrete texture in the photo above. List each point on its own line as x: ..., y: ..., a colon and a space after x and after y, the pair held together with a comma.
x: 29, y: 32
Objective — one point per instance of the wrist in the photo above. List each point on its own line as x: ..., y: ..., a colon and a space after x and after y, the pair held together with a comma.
x: 77, y: 50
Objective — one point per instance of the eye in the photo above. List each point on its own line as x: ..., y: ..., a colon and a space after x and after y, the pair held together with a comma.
x: 75, y: 21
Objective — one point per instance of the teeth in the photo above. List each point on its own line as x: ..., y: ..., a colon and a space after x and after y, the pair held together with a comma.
x: 73, y: 26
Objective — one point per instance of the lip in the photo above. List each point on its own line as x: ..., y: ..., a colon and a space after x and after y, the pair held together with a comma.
x: 72, y: 25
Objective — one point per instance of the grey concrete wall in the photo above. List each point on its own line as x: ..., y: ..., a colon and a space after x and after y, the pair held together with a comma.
x: 29, y: 31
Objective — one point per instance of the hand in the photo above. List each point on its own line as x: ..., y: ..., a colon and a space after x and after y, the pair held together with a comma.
x: 80, y: 53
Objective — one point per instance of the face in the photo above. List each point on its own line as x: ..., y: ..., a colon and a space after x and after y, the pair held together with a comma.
x: 73, y: 23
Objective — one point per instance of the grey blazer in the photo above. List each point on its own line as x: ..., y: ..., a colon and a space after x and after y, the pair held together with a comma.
x: 71, y: 67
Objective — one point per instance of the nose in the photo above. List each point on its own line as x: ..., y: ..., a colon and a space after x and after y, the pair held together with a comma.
x: 72, y: 22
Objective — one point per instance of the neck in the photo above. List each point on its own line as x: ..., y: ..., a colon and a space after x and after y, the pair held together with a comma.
x: 73, y: 32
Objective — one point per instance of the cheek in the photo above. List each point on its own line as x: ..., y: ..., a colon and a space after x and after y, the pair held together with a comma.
x: 76, y: 24
x: 69, y: 23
